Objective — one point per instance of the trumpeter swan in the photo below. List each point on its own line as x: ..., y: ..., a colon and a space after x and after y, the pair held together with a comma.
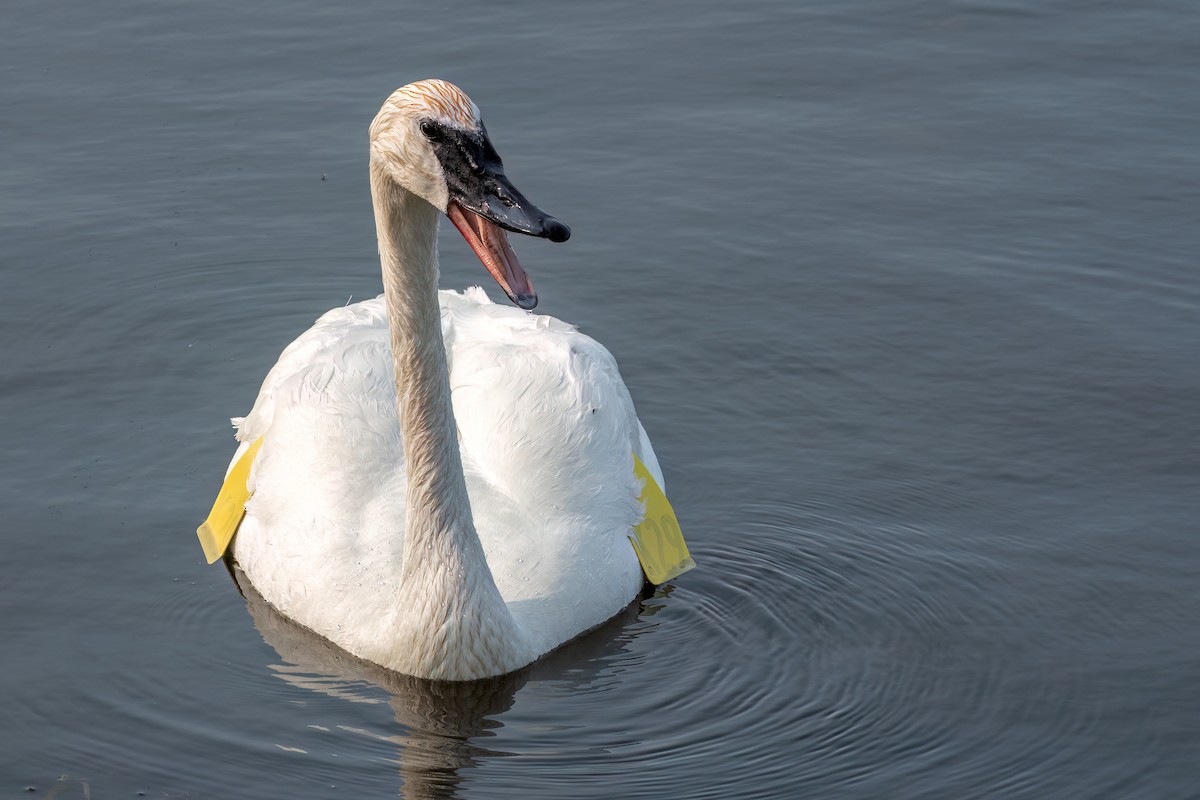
x: 445, y: 487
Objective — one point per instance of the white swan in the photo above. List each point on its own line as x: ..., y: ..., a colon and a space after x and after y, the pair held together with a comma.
x: 487, y: 522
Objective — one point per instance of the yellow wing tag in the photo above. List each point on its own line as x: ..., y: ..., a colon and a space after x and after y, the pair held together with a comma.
x: 657, y: 539
x: 230, y: 506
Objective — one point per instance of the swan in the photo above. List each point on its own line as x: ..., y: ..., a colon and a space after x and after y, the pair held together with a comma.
x: 440, y: 485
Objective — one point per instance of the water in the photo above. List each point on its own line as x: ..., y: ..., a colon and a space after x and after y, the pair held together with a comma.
x: 906, y: 296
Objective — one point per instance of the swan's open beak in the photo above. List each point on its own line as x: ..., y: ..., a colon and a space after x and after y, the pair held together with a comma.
x: 484, y: 204
x: 490, y: 243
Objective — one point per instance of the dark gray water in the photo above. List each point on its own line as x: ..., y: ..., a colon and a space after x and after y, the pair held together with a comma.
x: 906, y: 294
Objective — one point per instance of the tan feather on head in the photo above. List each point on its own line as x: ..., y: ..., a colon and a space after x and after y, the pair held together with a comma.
x: 440, y: 99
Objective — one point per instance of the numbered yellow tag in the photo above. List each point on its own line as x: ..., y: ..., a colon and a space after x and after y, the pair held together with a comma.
x: 230, y: 506
x: 657, y: 539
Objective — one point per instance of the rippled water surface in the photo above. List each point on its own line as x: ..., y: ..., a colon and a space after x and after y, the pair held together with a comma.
x: 905, y: 292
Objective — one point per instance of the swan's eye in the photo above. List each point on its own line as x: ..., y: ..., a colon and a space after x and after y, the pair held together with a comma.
x: 432, y: 132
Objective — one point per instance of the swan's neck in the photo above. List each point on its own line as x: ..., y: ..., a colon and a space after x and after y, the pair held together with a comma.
x: 452, y: 621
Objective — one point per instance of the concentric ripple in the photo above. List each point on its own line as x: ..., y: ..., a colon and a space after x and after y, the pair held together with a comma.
x: 807, y: 653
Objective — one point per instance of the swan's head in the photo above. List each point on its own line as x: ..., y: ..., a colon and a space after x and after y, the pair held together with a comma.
x: 429, y: 139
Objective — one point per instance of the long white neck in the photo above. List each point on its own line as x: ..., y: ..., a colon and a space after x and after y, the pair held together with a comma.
x: 452, y: 622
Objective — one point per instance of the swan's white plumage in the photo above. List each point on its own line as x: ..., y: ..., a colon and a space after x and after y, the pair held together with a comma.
x: 546, y: 430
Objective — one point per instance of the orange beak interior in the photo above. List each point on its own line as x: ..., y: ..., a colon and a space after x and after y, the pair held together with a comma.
x: 490, y: 243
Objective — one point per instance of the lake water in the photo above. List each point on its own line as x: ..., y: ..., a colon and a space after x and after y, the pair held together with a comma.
x: 906, y: 294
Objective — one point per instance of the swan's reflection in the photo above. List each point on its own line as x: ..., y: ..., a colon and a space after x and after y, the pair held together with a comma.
x: 440, y: 718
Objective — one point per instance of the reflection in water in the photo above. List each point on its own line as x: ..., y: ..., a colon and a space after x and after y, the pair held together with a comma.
x: 440, y: 718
